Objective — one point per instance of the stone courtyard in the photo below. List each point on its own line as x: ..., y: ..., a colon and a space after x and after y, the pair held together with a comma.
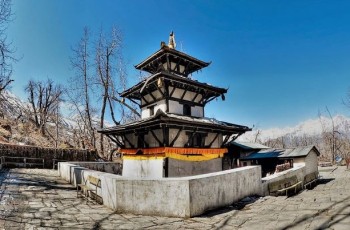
x: 40, y: 199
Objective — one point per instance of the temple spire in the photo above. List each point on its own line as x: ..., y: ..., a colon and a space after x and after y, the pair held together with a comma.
x: 172, y: 43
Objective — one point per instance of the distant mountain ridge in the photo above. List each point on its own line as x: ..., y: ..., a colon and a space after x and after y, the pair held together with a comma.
x: 311, y: 127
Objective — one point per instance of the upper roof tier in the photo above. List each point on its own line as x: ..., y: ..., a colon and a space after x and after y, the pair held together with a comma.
x: 171, y: 60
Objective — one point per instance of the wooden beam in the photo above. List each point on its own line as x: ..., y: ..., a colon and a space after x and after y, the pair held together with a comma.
x: 211, y: 143
x: 118, y: 141
x: 165, y: 135
x: 172, y: 91
x: 183, y: 94
x: 225, y: 140
x: 185, y: 72
x: 132, y: 100
x: 127, y: 140
x: 195, y: 97
x: 168, y: 62
x: 190, y: 139
x: 166, y: 92
x: 157, y: 139
x: 150, y: 93
x: 177, y: 66
x: 185, y: 102
x: 209, y: 100
x: 159, y: 89
x: 142, y: 138
x: 115, y: 140
x: 203, y: 98
x: 144, y: 99
x: 176, y: 137
x: 152, y: 102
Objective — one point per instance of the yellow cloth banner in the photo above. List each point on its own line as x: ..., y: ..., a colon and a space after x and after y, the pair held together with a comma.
x: 185, y: 154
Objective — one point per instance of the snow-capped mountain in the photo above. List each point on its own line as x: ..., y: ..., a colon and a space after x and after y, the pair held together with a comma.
x: 311, y: 127
x: 11, y: 105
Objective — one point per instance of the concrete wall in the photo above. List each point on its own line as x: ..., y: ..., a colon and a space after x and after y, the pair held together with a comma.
x: 178, y: 197
x: 148, y: 168
x: 223, y: 188
x: 108, y: 167
x: 178, y: 168
x: 311, y: 162
x: 298, y: 171
x: 154, y: 197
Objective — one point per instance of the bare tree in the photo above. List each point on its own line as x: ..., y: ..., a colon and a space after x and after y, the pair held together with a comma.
x: 6, y: 50
x: 99, y: 77
x: 44, y: 98
x: 79, y: 91
x: 111, y: 77
x: 107, y: 51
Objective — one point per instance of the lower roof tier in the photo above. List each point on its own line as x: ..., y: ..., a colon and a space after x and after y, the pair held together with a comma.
x: 161, y: 119
x: 170, y: 130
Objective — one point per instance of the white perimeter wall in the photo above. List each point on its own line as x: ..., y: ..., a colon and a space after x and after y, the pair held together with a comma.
x: 297, y: 170
x: 179, y: 197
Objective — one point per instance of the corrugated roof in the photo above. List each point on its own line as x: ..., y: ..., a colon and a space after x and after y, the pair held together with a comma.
x: 282, y: 153
x: 249, y: 145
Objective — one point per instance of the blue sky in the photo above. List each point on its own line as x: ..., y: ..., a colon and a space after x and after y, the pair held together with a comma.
x: 282, y: 61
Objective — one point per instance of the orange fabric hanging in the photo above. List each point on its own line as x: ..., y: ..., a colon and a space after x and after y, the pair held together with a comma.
x: 171, y: 150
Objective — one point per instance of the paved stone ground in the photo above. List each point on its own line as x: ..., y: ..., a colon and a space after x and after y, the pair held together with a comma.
x: 39, y: 199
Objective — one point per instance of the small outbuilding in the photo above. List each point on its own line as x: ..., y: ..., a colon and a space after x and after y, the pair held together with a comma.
x: 275, y: 160
x: 238, y: 150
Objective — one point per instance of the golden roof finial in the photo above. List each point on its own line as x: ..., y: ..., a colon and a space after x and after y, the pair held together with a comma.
x: 172, y: 43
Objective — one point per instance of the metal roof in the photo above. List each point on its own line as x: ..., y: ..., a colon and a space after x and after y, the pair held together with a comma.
x: 134, y: 91
x: 282, y: 153
x: 249, y: 145
x: 167, y: 118
x: 165, y: 53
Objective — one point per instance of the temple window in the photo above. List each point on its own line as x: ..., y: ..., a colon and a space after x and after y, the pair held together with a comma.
x: 187, y: 110
x: 151, y: 110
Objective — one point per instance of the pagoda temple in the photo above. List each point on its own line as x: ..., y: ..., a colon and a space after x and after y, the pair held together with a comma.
x: 173, y: 137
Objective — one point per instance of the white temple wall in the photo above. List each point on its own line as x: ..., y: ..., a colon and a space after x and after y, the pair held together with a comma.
x: 145, y: 111
x: 197, y: 111
x: 177, y: 108
x: 150, y: 168
x: 180, y: 168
